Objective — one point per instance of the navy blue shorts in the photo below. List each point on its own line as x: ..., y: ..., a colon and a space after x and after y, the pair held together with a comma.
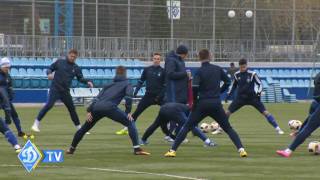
x: 239, y: 103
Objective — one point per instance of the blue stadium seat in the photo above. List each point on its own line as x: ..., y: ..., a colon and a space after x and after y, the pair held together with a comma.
x: 86, y: 63
x: 130, y: 74
x: 275, y: 73
x: 17, y: 79
x: 299, y: 73
x: 40, y: 62
x: 32, y: 62
x: 101, y: 73
x: 100, y: 63
x: 93, y: 73
x: 293, y: 73
x: 115, y: 62
x: 48, y: 61
x: 108, y: 73
x: 108, y: 62
x: 286, y: 73
x: 86, y: 73
x: 137, y: 73
x: 130, y: 62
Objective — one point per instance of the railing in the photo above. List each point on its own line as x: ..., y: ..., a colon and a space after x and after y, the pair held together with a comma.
x: 142, y: 48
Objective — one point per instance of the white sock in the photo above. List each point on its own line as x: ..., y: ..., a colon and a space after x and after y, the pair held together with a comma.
x: 17, y: 146
x: 241, y: 149
x: 278, y: 128
x: 288, y: 151
x: 135, y: 147
x: 78, y: 126
x: 207, y: 141
x: 125, y: 128
x: 36, y: 122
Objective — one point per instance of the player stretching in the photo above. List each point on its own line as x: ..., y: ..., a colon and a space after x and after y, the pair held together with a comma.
x: 177, y: 113
x: 154, y: 77
x: 62, y: 73
x: 207, y: 90
x: 105, y: 105
x: 314, y: 105
x: 311, y: 123
x: 249, y: 88
x: 6, y: 86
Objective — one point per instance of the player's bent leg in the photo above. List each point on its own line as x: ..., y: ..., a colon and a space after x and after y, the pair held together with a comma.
x: 191, y: 122
x: 80, y: 133
x: 68, y: 102
x: 207, y: 142
x: 16, y: 120
x: 143, y: 105
x: 223, y: 121
x: 311, y: 126
x: 43, y: 112
x: 119, y: 116
x: 4, y: 129
x: 272, y: 121
x: 150, y: 130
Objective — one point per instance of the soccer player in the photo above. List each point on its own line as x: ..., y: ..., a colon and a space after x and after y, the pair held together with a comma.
x: 6, y: 87
x: 207, y: 90
x: 249, y: 88
x: 311, y: 123
x: 177, y: 113
x: 176, y: 78
x: 8, y: 134
x: 154, y: 77
x: 62, y: 73
x: 105, y: 105
x: 314, y: 105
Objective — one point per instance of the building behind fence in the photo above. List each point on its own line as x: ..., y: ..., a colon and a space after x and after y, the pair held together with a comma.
x: 279, y: 30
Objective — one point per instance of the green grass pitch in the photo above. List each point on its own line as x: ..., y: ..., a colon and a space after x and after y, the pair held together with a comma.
x: 104, y: 155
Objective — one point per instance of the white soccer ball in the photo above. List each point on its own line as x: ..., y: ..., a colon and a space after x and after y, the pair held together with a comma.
x: 205, y: 127
x: 214, y: 126
x: 294, y: 124
x: 249, y: 14
x: 231, y: 14
x: 313, y: 147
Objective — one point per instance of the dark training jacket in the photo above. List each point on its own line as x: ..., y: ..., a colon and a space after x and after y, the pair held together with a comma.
x: 112, y: 94
x: 154, y: 77
x: 316, y: 91
x: 207, y: 79
x: 248, y: 83
x: 64, y: 74
x: 6, y: 94
x: 176, y: 79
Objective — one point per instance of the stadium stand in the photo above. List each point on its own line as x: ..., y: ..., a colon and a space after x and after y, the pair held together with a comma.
x: 280, y: 84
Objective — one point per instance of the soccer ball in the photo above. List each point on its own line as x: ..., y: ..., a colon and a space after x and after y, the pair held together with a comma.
x: 205, y: 127
x: 214, y: 126
x: 313, y: 147
x: 295, y: 124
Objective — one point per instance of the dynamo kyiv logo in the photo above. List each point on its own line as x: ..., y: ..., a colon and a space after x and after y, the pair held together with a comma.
x: 30, y: 156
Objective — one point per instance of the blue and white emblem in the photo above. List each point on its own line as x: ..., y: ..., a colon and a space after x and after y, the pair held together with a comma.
x: 30, y: 156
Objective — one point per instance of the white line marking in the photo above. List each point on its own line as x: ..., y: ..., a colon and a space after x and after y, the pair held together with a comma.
x: 114, y: 170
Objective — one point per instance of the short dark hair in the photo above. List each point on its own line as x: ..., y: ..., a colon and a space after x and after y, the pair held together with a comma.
x: 121, y: 71
x: 243, y: 62
x: 204, y: 54
x: 156, y: 54
x: 73, y: 51
x: 232, y: 64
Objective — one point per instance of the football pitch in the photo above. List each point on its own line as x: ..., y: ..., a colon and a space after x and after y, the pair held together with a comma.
x: 104, y: 155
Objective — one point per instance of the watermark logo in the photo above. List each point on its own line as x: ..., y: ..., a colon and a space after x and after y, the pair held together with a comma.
x: 30, y: 156
x: 53, y: 156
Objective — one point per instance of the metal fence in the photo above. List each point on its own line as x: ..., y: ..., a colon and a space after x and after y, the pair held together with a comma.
x: 277, y: 30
